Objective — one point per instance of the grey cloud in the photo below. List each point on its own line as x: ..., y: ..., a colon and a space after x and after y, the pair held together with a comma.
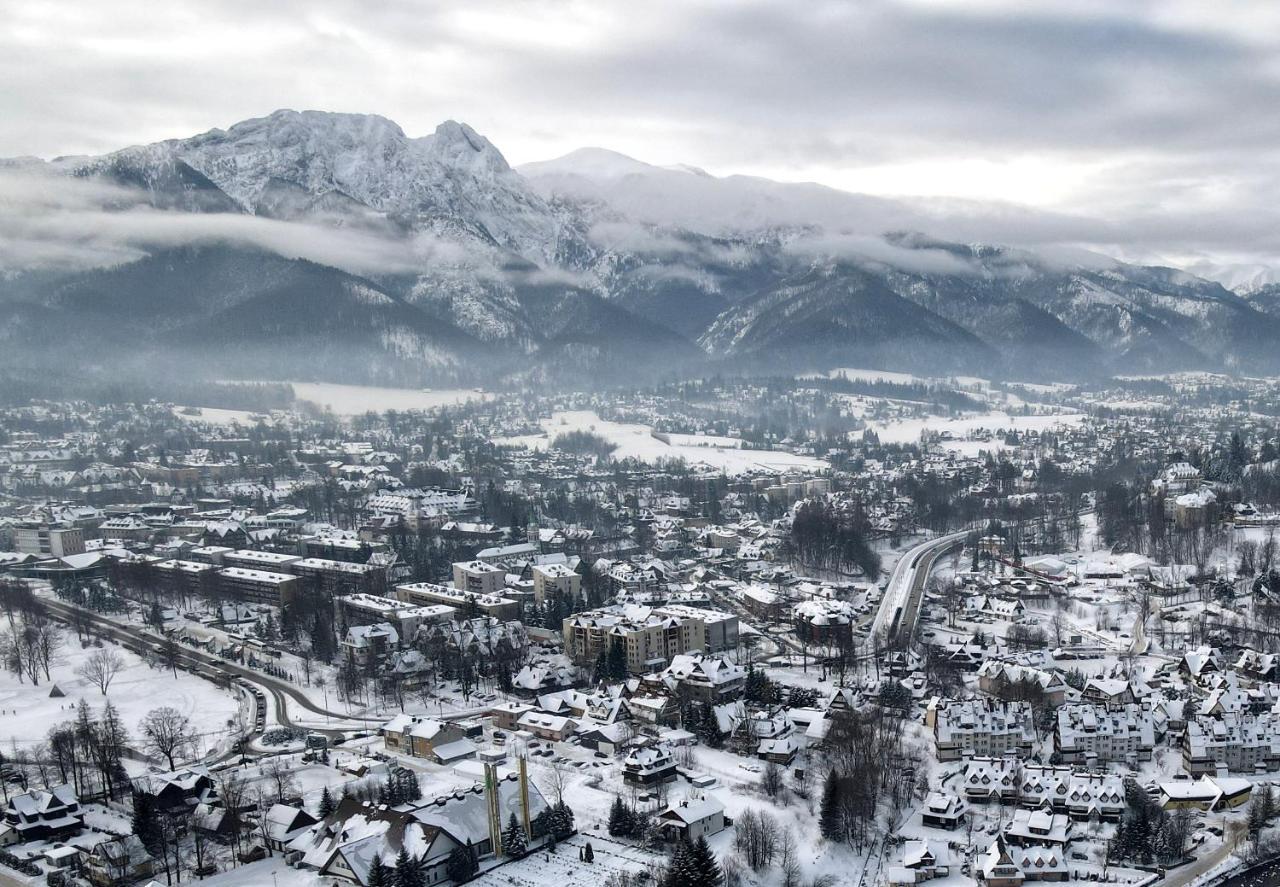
x: 1175, y: 101
x: 54, y: 221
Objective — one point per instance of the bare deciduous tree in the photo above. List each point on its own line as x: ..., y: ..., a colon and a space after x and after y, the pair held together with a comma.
x: 167, y: 732
x: 101, y: 668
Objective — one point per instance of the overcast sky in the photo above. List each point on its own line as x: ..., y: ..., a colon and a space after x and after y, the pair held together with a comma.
x: 1161, y: 117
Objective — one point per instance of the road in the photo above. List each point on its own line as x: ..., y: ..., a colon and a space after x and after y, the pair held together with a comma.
x: 906, y: 583
x: 1189, y: 873
x: 920, y: 577
x: 283, y: 693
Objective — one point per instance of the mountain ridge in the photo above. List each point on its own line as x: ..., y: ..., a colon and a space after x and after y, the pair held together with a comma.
x: 471, y: 268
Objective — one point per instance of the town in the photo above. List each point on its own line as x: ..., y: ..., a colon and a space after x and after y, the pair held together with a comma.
x: 846, y: 628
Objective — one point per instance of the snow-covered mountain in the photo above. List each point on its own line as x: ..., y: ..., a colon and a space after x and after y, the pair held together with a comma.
x: 308, y: 233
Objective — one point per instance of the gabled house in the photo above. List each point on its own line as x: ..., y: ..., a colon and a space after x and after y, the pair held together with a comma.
x: 692, y: 819
x: 421, y: 737
x: 647, y: 765
x: 118, y: 862
x: 40, y: 815
x: 179, y: 792
x: 283, y: 823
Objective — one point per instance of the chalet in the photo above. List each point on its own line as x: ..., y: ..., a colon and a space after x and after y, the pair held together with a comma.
x: 782, y: 750
x: 1038, y: 826
x: 179, y: 792
x: 700, y: 677
x: 1206, y: 793
x: 692, y: 819
x: 647, y: 765
x: 422, y: 737
x: 118, y: 862
x: 995, y: 677
x: 283, y: 823
x: 555, y: 728
x: 654, y: 710
x: 943, y: 810
x: 40, y: 815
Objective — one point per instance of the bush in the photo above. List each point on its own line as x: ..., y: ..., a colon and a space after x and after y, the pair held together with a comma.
x: 283, y: 735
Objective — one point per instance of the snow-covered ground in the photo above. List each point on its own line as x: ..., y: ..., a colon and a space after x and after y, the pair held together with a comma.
x: 854, y: 374
x: 352, y: 400
x: 909, y: 430
x: 638, y: 442
x: 215, y: 416
x: 27, y: 712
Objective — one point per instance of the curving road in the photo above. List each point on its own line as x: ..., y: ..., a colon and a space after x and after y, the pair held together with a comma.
x: 282, y: 692
x: 900, y: 604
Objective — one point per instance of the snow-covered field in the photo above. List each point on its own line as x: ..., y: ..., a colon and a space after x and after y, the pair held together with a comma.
x: 909, y: 430
x: 27, y: 712
x: 638, y: 442
x: 858, y: 375
x: 352, y: 400
x: 214, y: 416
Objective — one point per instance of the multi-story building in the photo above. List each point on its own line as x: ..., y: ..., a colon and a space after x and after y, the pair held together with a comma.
x: 965, y: 728
x: 1244, y: 743
x: 555, y: 579
x: 35, y: 538
x: 341, y: 577
x: 650, y: 638
x: 258, y: 586
x: 251, y: 559
x: 478, y: 577
x: 1092, y: 734
x: 719, y: 629
x: 190, y: 577
x: 465, y: 602
x: 825, y: 622
x: 370, y: 609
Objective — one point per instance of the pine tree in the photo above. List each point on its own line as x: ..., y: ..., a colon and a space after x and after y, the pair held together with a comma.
x: 709, y: 731
x: 408, y: 871
x: 703, y: 867
x: 677, y: 872
x: 327, y: 805
x: 561, y: 820
x: 513, y: 839
x: 617, y: 661
x: 146, y: 823
x: 389, y: 793
x: 461, y: 865
x: 379, y: 874
x: 829, y: 815
x: 619, y: 821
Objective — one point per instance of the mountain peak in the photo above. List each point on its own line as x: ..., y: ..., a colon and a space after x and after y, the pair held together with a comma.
x: 595, y: 163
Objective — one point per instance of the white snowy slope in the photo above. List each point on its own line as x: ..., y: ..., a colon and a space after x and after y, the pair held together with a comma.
x: 294, y: 164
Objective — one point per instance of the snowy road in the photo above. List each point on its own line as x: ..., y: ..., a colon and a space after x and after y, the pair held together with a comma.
x: 908, y: 579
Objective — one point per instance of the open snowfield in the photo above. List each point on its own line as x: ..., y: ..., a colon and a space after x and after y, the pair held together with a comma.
x: 857, y: 375
x: 638, y: 442
x: 27, y: 712
x: 352, y: 400
x: 909, y: 430
x: 215, y: 416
